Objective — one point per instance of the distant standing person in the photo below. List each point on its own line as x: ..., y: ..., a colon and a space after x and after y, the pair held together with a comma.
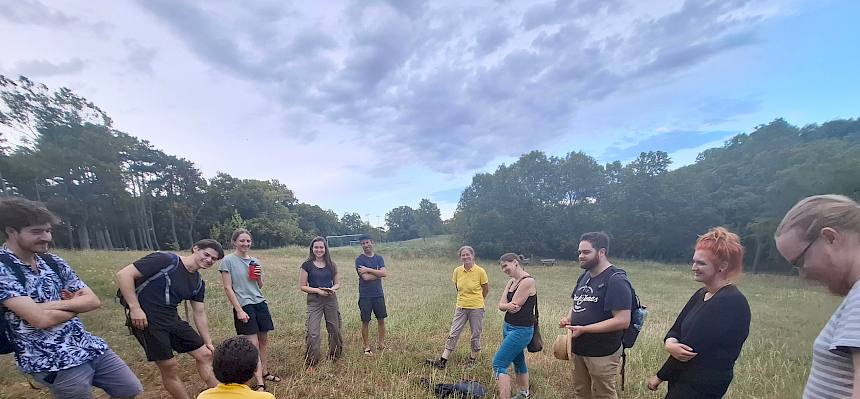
x: 152, y: 287
x: 518, y: 301
x: 602, y: 301
x: 820, y: 236
x: 472, y: 285
x: 371, y: 299
x: 41, y: 297
x: 234, y: 363
x: 708, y: 335
x: 242, y: 278
x: 318, y: 278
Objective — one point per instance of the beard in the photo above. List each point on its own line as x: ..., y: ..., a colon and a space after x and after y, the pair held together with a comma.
x: 37, y: 247
x: 589, y: 264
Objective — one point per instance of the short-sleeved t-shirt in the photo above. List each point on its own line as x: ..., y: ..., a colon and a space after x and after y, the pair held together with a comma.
x: 247, y: 291
x: 372, y: 288
x: 832, y: 372
x: 160, y: 308
x: 60, y: 347
x: 233, y: 391
x: 469, y: 282
x: 594, y: 299
x: 318, y: 278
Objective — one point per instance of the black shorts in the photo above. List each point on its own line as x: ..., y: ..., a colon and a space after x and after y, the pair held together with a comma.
x: 159, y: 342
x: 375, y: 305
x: 259, y: 319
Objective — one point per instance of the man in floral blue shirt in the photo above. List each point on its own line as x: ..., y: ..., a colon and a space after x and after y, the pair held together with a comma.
x: 49, y: 340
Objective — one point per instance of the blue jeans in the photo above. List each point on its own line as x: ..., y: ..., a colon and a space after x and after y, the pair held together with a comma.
x: 514, y: 342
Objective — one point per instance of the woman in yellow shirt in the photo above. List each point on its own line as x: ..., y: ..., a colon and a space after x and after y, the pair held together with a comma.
x: 472, y: 285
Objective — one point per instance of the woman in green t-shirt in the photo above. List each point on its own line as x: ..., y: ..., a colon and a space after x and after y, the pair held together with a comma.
x: 242, y: 278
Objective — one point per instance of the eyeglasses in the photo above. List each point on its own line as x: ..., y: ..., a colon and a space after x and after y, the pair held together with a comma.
x: 798, y: 261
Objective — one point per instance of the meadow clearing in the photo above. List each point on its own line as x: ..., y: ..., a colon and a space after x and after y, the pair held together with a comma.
x: 787, y: 315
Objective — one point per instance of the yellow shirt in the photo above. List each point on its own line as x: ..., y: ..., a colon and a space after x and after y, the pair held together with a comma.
x: 469, y: 292
x: 233, y: 391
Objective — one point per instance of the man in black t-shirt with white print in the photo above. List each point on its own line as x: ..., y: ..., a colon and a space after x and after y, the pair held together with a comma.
x: 600, y: 313
x: 152, y: 288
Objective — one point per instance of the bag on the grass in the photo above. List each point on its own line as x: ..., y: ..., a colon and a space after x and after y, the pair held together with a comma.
x: 463, y: 389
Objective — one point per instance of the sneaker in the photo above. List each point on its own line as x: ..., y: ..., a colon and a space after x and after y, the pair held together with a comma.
x: 471, y: 362
x: 522, y: 395
x: 439, y: 363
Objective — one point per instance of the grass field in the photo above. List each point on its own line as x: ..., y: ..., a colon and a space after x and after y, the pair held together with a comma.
x: 787, y: 315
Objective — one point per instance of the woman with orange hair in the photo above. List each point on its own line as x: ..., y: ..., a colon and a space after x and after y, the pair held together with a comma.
x: 708, y: 335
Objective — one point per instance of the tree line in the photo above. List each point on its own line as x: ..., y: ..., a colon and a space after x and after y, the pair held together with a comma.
x: 114, y: 190
x: 541, y: 204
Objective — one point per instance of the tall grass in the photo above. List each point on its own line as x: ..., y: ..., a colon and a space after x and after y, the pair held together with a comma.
x: 787, y: 315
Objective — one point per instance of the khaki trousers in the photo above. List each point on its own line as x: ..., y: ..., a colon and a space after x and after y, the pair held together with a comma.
x: 594, y: 377
x: 319, y: 307
x: 475, y: 318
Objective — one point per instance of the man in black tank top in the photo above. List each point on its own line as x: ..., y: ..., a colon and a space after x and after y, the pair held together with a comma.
x: 597, y: 319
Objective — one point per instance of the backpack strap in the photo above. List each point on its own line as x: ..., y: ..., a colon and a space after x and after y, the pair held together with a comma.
x: 161, y: 273
x: 199, y: 285
x: 623, y: 274
x: 7, y: 261
x: 52, y: 263
x: 636, y: 301
x: 623, y: 364
x: 10, y: 264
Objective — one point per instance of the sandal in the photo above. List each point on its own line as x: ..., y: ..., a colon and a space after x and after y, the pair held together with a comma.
x: 368, y: 352
x: 271, y: 377
x: 259, y: 387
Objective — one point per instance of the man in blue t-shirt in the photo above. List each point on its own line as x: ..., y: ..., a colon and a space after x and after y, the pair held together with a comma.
x: 371, y: 270
x: 40, y: 299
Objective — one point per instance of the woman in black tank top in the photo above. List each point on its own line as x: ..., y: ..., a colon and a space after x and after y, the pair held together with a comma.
x: 518, y: 301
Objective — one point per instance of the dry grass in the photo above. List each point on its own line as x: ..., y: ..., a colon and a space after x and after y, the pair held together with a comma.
x: 787, y: 315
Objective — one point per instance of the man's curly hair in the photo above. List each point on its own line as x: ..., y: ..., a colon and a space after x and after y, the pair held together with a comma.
x: 235, y: 361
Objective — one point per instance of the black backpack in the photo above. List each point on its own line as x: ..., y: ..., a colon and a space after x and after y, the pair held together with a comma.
x: 7, y: 344
x: 466, y: 389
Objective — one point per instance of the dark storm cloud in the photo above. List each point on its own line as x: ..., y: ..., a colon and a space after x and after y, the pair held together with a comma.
x: 453, y: 87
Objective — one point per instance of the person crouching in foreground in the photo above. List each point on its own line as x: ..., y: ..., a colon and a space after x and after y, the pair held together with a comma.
x: 234, y: 363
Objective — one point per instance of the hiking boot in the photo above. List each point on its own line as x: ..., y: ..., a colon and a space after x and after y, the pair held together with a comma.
x: 472, y: 362
x: 439, y: 363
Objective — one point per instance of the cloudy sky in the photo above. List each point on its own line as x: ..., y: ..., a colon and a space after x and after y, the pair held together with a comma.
x: 367, y: 105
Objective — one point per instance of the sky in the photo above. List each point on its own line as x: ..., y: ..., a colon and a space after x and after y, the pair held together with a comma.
x: 363, y: 106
